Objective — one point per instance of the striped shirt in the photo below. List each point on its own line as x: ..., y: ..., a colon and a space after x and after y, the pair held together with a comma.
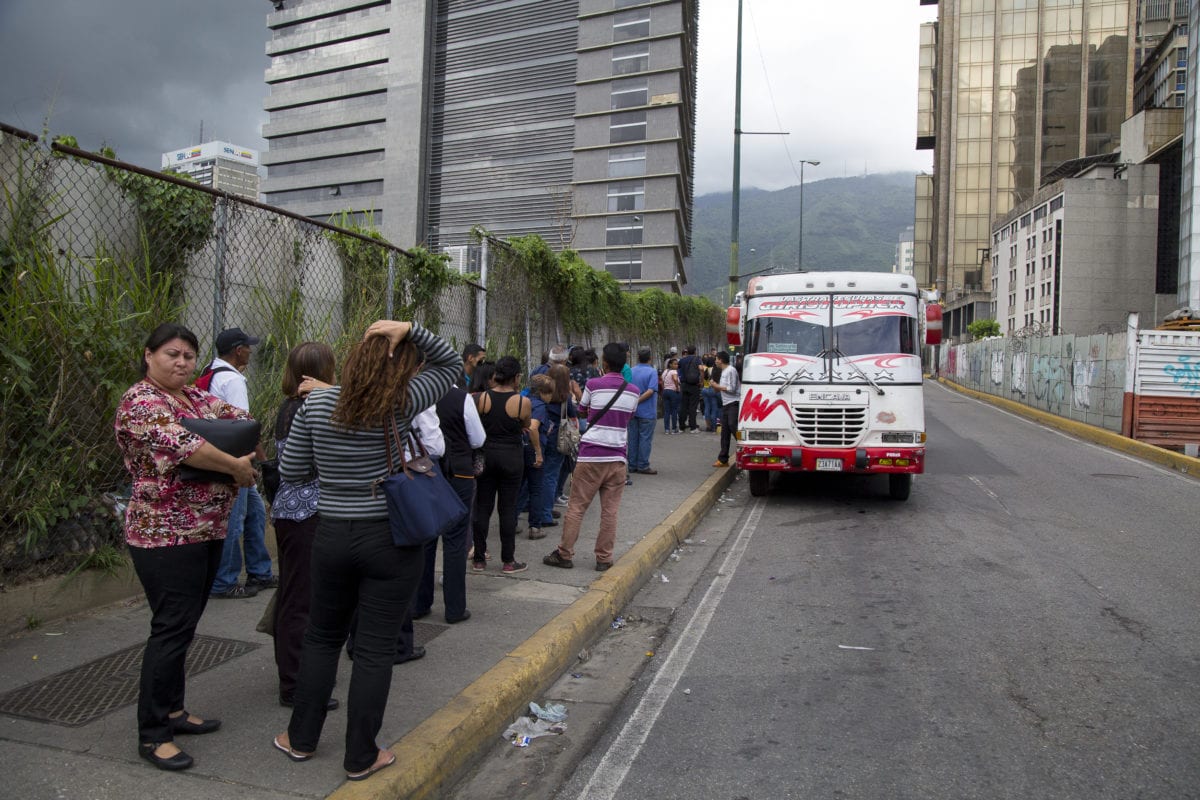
x: 607, y: 436
x: 349, y: 462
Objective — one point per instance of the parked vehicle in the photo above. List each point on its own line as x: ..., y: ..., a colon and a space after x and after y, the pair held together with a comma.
x: 831, y: 376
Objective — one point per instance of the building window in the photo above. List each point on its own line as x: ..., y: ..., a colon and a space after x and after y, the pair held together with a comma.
x: 1056, y: 203
x: 632, y: 24
x: 629, y: 93
x: 630, y: 58
x: 625, y: 162
x: 627, y: 196
x: 628, y: 126
x: 624, y: 263
x: 625, y: 229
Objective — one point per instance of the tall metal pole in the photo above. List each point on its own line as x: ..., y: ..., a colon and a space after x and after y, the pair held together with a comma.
x: 800, y: 250
x: 737, y: 162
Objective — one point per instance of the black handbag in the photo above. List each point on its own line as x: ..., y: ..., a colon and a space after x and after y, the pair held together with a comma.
x: 422, y: 505
x: 238, y: 437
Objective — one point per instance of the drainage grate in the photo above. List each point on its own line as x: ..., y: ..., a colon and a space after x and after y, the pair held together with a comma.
x: 80, y: 695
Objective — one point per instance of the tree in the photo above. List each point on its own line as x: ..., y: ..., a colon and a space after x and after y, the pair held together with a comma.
x: 983, y: 328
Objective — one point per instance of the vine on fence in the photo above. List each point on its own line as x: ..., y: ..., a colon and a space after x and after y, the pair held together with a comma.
x: 588, y: 300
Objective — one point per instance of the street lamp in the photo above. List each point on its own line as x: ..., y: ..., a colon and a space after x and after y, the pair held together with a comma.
x: 800, y: 251
x: 629, y: 272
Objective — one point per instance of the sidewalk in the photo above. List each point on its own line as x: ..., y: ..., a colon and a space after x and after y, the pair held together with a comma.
x: 444, y: 710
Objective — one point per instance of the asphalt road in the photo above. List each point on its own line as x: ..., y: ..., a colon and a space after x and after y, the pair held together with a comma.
x: 1024, y: 626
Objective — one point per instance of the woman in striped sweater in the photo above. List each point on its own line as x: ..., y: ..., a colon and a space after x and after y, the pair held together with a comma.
x: 338, y: 435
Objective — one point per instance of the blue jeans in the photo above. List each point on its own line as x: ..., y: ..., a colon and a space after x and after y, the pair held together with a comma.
x: 247, y: 529
x: 552, y: 462
x: 712, y: 406
x: 641, y: 434
x: 530, y: 496
x: 671, y: 402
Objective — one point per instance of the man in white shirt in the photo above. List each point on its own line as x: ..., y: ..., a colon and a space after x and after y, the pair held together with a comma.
x: 731, y: 395
x: 248, y: 521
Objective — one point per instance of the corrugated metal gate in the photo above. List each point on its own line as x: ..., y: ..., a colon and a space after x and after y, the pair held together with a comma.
x: 1166, y: 403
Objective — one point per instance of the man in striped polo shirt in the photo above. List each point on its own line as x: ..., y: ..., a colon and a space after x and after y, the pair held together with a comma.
x: 608, y: 404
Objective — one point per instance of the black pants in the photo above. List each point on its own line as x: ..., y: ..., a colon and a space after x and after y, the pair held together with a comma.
x: 177, y: 580
x: 295, y: 541
x: 354, y: 565
x: 691, y: 403
x: 454, y: 559
x: 729, y: 420
x: 500, y: 483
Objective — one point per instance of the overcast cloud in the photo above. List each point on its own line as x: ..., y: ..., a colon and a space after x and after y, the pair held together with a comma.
x: 142, y: 75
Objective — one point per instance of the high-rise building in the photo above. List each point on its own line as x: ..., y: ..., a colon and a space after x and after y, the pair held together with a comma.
x: 904, y: 253
x: 1010, y: 90
x: 218, y: 165
x: 571, y: 119
x: 1189, y: 200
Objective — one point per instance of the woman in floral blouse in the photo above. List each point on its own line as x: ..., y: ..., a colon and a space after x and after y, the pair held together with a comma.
x: 174, y: 528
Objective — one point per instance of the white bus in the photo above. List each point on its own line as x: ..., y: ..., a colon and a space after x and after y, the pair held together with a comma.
x: 831, y: 376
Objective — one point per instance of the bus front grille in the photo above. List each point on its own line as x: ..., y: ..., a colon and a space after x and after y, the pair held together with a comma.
x: 821, y: 426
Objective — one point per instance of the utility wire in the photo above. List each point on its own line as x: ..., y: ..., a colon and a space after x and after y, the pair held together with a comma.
x: 770, y: 92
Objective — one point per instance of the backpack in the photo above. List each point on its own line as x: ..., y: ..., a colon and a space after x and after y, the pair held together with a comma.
x: 690, y: 371
x: 204, y: 380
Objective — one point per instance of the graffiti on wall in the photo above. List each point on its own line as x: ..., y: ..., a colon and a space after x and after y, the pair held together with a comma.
x: 1049, y: 382
x: 1185, y: 372
x: 1019, y: 371
x: 998, y: 368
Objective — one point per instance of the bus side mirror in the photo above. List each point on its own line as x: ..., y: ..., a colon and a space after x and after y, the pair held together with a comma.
x: 933, y: 324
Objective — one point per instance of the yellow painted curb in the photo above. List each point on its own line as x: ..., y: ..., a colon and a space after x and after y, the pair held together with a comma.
x: 448, y: 740
x: 1159, y: 455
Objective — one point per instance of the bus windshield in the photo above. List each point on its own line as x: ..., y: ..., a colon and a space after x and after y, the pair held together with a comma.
x: 784, y: 335
x: 877, y: 335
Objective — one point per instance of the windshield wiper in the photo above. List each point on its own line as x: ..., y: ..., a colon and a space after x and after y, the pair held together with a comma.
x: 800, y: 369
x: 858, y: 369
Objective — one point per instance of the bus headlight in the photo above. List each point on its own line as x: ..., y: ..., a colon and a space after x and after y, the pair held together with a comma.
x: 761, y: 436
x: 903, y: 437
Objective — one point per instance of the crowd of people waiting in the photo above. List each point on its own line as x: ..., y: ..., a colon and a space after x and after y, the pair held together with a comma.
x: 342, y: 582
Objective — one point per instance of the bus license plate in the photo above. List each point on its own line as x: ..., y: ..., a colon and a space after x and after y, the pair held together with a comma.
x: 829, y: 465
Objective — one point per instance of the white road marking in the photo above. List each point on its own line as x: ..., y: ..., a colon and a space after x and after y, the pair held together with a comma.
x: 611, y: 771
x: 1134, y: 459
x: 989, y: 493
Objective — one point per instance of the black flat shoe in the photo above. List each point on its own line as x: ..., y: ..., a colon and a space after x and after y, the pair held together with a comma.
x: 466, y: 615
x: 290, y: 702
x: 180, y: 760
x: 418, y: 651
x: 182, y: 724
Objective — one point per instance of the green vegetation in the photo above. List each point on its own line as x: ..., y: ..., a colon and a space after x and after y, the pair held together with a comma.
x: 983, y: 328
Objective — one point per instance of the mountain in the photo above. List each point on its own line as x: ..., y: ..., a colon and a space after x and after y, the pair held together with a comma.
x: 849, y: 223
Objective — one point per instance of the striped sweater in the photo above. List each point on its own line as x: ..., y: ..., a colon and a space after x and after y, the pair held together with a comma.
x: 348, y: 462
x: 607, y: 436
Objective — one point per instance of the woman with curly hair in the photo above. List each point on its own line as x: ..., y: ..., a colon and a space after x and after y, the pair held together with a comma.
x: 340, y: 435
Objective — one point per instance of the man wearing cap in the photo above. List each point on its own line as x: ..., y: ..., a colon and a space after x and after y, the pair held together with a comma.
x: 248, y: 520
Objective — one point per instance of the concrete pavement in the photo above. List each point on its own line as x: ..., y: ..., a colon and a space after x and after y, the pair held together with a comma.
x: 443, y: 712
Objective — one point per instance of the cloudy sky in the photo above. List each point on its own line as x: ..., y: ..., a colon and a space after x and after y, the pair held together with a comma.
x: 142, y: 76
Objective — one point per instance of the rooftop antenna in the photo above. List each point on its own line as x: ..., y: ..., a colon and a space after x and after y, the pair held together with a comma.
x: 201, y: 133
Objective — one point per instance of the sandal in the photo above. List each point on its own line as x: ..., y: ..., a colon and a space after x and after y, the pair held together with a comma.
x: 286, y: 749
x: 371, y: 770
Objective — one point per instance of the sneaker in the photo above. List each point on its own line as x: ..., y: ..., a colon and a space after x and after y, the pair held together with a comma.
x: 514, y: 566
x: 629, y: 482
x: 720, y: 463
x: 236, y: 593
x: 478, y: 566
x: 603, y: 566
x: 555, y: 559
x: 536, y: 533
x: 561, y: 500
x: 694, y: 430
x: 269, y: 582
x: 647, y: 471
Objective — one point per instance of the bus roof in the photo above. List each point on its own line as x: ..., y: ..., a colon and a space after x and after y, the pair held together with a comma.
x: 806, y: 282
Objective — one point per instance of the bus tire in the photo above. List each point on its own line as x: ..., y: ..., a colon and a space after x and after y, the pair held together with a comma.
x: 760, y: 482
x: 900, y: 486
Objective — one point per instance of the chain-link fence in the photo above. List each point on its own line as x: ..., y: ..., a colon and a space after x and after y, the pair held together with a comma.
x: 94, y: 253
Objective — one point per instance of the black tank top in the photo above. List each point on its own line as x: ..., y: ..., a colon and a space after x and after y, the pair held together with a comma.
x: 502, y: 430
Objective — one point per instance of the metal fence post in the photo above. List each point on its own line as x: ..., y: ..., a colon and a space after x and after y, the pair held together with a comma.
x: 222, y: 212
x: 481, y: 297
x: 391, y: 285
